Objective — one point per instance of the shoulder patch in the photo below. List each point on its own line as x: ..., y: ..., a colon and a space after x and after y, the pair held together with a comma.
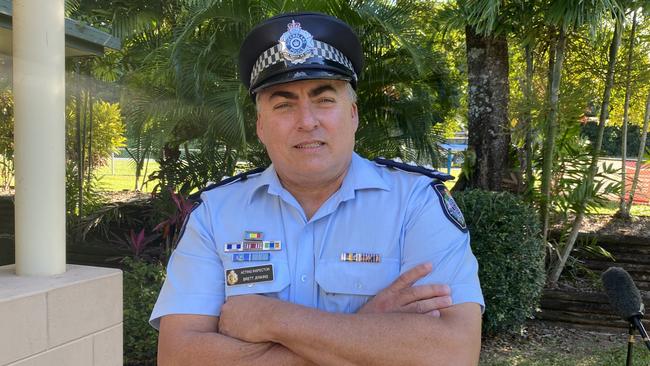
x: 238, y: 177
x: 412, y: 168
x: 449, y: 206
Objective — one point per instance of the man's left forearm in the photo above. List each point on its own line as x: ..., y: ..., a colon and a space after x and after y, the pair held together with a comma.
x: 381, y: 339
x: 377, y: 339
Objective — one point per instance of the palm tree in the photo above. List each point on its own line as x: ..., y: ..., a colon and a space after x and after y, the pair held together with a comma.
x: 486, y: 26
x: 625, y: 207
x: 588, y: 185
x: 493, y: 18
x: 622, y: 210
x: 639, y: 159
x: 556, y: 61
x: 567, y: 16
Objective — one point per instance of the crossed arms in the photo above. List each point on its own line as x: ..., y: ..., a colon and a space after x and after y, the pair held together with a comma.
x: 404, y: 324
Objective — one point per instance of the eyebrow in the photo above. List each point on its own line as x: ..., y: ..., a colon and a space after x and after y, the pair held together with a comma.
x: 283, y: 94
x: 312, y: 93
x: 321, y: 89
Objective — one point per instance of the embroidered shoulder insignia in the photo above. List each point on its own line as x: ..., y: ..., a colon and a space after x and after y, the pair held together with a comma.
x: 449, y: 206
x: 412, y: 168
x: 238, y: 177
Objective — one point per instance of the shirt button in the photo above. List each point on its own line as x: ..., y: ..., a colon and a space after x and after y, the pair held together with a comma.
x: 303, y: 278
x: 359, y: 285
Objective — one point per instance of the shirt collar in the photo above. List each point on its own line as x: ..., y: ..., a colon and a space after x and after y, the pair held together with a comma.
x: 362, y: 175
x: 267, y: 179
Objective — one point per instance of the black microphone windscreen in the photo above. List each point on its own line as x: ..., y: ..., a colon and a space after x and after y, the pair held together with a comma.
x: 623, y: 294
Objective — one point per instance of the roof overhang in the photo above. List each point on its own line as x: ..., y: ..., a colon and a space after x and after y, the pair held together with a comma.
x: 80, y: 39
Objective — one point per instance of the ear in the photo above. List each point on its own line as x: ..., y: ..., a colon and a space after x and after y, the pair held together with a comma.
x: 355, y: 116
x: 259, y: 129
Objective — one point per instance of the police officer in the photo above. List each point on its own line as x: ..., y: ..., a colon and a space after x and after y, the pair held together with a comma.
x: 324, y: 257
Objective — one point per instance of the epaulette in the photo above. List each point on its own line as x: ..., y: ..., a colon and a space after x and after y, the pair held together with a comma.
x: 235, y: 178
x: 413, y: 168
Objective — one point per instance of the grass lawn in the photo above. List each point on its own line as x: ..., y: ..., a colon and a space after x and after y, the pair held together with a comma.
x: 612, y: 208
x: 121, y: 176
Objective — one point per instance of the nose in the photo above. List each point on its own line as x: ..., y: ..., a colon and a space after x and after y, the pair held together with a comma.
x: 307, y: 120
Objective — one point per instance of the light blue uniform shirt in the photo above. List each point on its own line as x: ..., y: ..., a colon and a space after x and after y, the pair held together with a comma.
x: 378, y: 210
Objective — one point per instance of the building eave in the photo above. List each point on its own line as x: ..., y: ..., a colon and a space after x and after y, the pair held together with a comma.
x: 80, y: 39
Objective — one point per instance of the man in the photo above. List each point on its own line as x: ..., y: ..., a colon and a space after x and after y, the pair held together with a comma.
x: 324, y: 257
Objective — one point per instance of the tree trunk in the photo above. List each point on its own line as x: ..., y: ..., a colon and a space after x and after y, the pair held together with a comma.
x: 135, y: 156
x: 186, y: 148
x: 80, y: 153
x: 593, y: 167
x: 138, y: 163
x: 489, y: 127
x: 551, y: 130
x: 528, y: 120
x: 146, y: 166
x: 6, y: 170
x: 90, y: 137
x: 639, y: 159
x: 171, y: 156
x: 623, y: 211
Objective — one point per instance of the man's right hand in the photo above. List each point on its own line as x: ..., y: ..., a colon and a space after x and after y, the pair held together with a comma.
x: 403, y: 297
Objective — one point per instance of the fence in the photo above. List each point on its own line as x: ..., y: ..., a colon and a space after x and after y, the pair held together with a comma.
x: 591, y: 309
x: 642, y: 192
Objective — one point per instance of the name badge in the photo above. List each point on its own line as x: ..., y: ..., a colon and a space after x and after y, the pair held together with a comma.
x: 246, y: 275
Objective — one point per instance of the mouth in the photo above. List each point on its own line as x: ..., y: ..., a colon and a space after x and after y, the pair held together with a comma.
x: 309, y: 145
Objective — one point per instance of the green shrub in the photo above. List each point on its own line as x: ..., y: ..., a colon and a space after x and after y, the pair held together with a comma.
x: 108, y: 131
x: 507, y: 243
x: 142, y: 283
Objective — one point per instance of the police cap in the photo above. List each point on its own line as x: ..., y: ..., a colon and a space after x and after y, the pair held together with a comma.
x: 299, y: 46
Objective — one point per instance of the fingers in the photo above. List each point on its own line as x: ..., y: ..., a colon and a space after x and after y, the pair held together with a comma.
x: 422, y: 292
x: 428, y: 305
x: 408, y: 278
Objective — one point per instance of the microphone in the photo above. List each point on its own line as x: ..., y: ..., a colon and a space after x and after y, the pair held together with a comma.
x: 625, y: 298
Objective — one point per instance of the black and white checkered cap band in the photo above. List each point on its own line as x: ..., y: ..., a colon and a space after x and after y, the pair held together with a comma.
x: 321, y: 49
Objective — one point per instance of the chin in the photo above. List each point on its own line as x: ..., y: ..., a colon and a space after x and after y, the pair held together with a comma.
x: 313, y: 171
x: 310, y: 168
x: 311, y: 164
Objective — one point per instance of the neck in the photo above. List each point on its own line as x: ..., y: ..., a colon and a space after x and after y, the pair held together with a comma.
x: 311, y: 196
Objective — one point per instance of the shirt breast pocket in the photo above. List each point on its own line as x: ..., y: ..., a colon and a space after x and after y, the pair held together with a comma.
x: 347, y: 286
x: 277, y: 287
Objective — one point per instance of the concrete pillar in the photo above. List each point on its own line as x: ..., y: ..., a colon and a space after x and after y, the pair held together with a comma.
x: 39, y: 97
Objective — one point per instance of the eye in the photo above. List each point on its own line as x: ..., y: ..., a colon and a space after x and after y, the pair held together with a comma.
x: 326, y: 100
x: 281, y: 106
